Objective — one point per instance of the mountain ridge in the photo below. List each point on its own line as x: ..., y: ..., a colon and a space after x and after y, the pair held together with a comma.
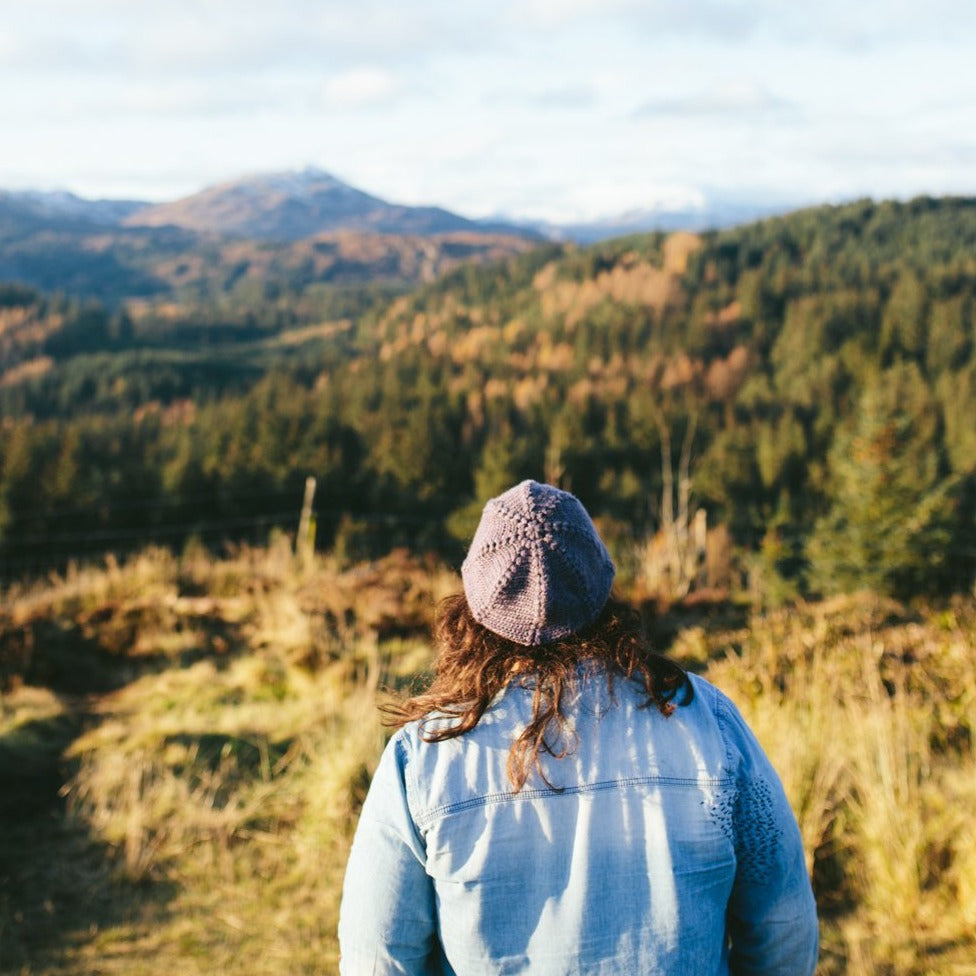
x: 289, y: 205
x: 58, y: 206
x: 293, y: 205
x: 295, y: 227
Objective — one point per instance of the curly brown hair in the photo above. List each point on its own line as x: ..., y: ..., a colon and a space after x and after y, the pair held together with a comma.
x: 473, y: 665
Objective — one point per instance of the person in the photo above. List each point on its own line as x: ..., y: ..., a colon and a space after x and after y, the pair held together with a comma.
x: 562, y: 800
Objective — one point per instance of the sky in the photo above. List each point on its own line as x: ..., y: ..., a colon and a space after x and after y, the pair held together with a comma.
x: 562, y: 110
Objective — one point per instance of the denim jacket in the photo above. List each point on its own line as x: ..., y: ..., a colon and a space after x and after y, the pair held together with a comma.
x: 663, y: 845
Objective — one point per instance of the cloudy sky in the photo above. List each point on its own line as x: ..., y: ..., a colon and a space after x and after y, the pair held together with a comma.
x: 558, y: 109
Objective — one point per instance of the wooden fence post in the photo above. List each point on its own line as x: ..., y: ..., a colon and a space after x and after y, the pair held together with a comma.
x: 305, y: 540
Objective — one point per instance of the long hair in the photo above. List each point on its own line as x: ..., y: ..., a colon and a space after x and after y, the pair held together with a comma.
x: 473, y: 665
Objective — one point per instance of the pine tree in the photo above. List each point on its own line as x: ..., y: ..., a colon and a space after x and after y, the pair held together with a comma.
x: 892, y: 509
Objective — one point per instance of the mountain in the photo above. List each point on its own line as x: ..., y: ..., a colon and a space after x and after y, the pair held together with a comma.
x: 31, y: 207
x: 290, y: 206
x: 285, y: 230
x: 282, y: 230
x: 713, y: 213
x: 295, y: 205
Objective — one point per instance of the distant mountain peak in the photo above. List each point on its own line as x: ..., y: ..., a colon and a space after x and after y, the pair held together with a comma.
x: 300, y: 184
x: 295, y: 204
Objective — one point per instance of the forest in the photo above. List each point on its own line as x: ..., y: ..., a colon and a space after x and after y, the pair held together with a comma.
x: 772, y: 426
x: 807, y: 381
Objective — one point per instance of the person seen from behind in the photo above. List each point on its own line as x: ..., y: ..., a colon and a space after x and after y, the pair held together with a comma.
x: 562, y: 800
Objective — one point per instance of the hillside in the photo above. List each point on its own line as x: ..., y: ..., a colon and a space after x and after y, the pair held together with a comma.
x: 119, y: 265
x: 807, y: 382
x: 185, y: 745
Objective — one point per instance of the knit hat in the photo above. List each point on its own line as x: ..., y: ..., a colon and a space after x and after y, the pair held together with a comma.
x: 536, y: 571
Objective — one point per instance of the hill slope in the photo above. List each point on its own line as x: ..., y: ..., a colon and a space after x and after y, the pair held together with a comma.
x: 220, y: 719
x: 168, y: 263
x: 808, y: 382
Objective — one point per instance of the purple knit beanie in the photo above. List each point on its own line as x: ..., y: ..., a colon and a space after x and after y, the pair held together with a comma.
x: 536, y: 571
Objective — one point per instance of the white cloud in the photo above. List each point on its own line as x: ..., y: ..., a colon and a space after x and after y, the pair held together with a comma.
x: 597, y: 199
x: 360, y: 88
x: 188, y: 99
x: 735, y: 96
x: 557, y: 13
x: 649, y: 17
x: 569, y: 97
x: 870, y: 24
x: 521, y: 105
x: 835, y: 24
x: 211, y: 37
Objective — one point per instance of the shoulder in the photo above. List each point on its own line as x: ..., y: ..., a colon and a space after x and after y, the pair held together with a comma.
x: 733, y: 728
x: 415, y: 750
x: 710, y: 698
x: 406, y: 745
x: 717, y: 701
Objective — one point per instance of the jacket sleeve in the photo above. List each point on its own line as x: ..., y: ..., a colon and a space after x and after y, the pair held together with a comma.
x: 387, y: 921
x: 772, y: 915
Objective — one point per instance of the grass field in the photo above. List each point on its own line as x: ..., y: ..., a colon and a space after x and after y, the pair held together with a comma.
x: 185, y: 742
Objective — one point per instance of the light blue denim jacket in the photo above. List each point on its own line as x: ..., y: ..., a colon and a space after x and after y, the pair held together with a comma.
x: 666, y: 845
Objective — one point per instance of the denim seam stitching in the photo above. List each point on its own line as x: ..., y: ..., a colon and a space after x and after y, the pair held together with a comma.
x: 493, y: 798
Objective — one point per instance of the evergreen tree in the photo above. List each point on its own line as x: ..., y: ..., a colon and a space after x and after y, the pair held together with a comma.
x: 892, y: 511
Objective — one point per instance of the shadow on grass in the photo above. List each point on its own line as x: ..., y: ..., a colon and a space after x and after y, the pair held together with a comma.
x: 70, y: 659
x: 238, y: 758
x: 54, y: 654
x: 58, y: 886
x: 664, y: 623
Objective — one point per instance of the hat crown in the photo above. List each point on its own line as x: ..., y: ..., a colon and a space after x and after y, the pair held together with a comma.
x: 537, y: 570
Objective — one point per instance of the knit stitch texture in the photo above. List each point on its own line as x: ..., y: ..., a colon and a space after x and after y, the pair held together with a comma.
x: 537, y: 570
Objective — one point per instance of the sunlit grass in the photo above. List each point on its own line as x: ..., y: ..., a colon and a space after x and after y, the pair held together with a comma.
x: 870, y: 723
x: 219, y: 787
x: 239, y: 786
x: 212, y: 797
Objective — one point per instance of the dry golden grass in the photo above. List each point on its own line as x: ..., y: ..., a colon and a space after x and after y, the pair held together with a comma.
x: 869, y: 715
x: 210, y: 800
x: 237, y: 788
x: 215, y: 794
